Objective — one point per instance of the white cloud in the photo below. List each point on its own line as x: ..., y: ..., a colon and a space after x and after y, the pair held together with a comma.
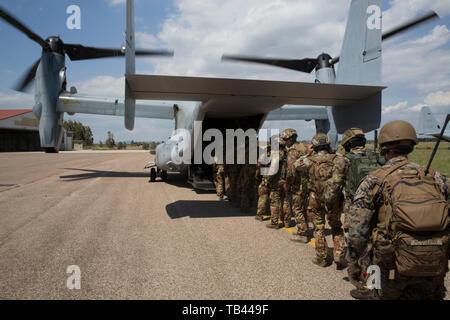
x: 417, y: 107
x: 16, y: 100
x: 396, y: 107
x: 144, y: 39
x: 201, y: 31
x: 105, y: 86
x: 113, y: 3
x: 438, y: 99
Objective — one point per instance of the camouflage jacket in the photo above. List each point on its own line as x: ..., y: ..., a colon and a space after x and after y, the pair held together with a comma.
x: 336, y: 180
x: 365, y: 204
x: 294, y: 152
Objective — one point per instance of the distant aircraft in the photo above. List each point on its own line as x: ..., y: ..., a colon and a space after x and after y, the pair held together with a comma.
x: 428, y: 125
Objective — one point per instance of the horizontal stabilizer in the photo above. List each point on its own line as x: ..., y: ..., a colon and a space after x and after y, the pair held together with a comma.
x: 226, y: 97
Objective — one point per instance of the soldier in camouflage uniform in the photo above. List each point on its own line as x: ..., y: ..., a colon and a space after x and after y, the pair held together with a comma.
x: 247, y: 183
x: 280, y: 211
x: 296, y: 184
x: 397, y: 140
x: 326, y: 179
x: 354, y: 142
x: 263, y: 187
x: 219, y: 179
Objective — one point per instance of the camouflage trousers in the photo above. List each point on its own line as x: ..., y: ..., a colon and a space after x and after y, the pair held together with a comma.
x: 234, y: 185
x: 412, y: 288
x: 263, y: 197
x: 334, y: 220
x: 280, y: 208
x: 219, y: 179
x: 246, y: 186
x: 299, y: 209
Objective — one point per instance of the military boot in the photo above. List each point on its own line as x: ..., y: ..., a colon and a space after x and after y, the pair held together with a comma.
x: 341, y: 262
x: 259, y: 218
x: 272, y: 225
x: 320, y: 262
x: 363, y: 294
x: 302, y: 238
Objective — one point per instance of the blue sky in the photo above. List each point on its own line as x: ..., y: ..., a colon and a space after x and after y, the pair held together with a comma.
x: 416, y: 65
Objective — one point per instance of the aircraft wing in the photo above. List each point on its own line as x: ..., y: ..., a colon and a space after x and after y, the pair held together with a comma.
x: 290, y: 112
x: 75, y: 103
x: 238, y: 97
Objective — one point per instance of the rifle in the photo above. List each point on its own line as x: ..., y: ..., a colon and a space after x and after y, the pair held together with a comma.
x: 437, y: 143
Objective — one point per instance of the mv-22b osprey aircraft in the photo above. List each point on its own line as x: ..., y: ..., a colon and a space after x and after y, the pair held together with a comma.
x: 350, y: 98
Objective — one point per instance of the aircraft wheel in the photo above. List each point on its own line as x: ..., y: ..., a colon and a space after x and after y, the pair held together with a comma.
x: 163, y: 175
x: 152, y: 174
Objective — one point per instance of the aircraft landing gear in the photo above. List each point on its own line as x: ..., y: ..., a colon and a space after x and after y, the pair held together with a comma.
x: 154, y: 173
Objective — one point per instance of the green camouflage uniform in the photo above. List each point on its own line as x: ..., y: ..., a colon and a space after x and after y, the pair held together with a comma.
x: 363, y: 215
x: 297, y: 187
x: 327, y: 204
x: 247, y: 186
x: 280, y: 211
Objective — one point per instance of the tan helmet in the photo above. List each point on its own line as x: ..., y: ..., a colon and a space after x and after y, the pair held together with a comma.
x: 288, y: 133
x: 397, y: 133
x: 320, y: 139
x: 352, y: 133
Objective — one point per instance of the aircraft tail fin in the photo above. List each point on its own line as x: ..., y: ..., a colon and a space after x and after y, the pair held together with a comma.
x: 360, y: 63
x: 427, y: 122
x: 130, y: 102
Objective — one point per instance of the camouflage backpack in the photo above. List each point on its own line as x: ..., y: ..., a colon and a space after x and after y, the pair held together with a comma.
x: 320, y: 172
x: 360, y: 166
x: 415, y: 221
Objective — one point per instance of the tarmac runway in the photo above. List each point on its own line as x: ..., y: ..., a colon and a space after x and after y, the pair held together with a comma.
x: 138, y: 240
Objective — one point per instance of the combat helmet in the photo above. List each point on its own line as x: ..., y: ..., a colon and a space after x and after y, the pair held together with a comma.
x: 288, y: 133
x: 399, y: 135
x: 352, y: 133
x: 320, y: 139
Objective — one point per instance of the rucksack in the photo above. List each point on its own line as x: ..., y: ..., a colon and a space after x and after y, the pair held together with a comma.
x: 360, y: 166
x: 320, y: 172
x: 415, y: 216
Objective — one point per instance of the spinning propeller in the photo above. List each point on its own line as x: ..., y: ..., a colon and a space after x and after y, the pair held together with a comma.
x: 309, y: 64
x: 74, y: 51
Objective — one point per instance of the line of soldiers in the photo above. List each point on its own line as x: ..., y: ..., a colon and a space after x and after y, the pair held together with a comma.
x: 396, y: 216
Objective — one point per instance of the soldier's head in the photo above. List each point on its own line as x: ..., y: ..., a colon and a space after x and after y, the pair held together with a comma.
x: 289, y: 136
x: 321, y: 142
x: 352, y: 138
x: 397, y: 138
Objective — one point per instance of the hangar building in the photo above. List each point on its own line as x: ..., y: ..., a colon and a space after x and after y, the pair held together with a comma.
x: 19, y: 131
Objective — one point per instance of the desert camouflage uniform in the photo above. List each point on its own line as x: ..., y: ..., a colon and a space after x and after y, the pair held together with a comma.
x: 219, y: 179
x: 363, y: 216
x: 297, y: 187
x: 329, y: 204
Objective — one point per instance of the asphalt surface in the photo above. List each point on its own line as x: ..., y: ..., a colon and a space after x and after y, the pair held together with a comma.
x: 138, y: 240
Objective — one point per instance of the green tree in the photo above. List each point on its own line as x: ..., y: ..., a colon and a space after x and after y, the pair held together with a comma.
x: 110, y: 143
x: 80, y: 132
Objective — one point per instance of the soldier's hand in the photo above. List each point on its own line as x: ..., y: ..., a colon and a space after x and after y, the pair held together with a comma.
x: 310, y: 150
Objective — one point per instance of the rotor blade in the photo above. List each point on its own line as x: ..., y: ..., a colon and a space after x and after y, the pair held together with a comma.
x: 411, y: 24
x: 27, y: 77
x: 20, y: 26
x: 305, y: 65
x: 79, y: 52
